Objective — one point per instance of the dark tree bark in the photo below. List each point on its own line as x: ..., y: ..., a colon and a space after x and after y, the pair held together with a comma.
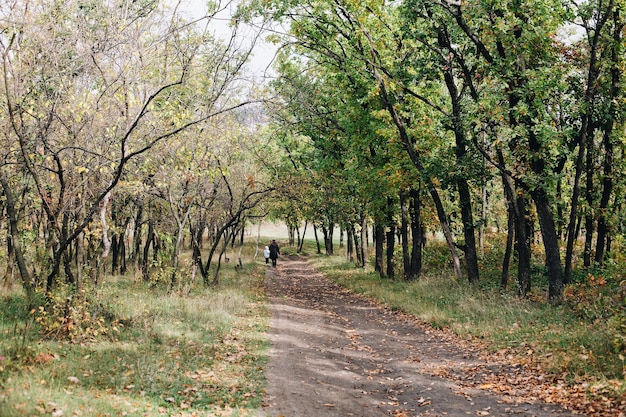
x: 404, y: 233
x: 550, y: 243
x: 417, y: 234
x: 317, y: 240
x: 390, y: 238
x: 589, y: 197
x: 517, y: 202
x: 328, y: 239
x: 603, y: 237
x: 145, y: 260
x: 508, y: 252
x: 306, y: 223
x: 379, y: 237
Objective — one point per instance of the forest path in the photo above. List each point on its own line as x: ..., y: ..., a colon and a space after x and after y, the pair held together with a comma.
x: 335, y: 353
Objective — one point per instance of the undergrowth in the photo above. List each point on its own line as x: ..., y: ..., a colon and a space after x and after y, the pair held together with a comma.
x: 131, y: 348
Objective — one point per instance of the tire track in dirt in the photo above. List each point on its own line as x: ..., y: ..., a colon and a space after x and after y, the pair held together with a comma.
x: 335, y: 353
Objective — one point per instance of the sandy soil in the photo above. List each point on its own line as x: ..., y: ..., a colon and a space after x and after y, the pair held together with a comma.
x: 338, y: 354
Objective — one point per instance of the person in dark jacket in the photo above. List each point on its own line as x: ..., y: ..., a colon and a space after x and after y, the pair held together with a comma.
x: 274, y: 252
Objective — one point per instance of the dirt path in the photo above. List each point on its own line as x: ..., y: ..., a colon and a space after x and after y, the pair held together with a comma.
x: 335, y: 353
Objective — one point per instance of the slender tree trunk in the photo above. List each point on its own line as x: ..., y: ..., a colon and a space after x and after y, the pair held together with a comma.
x: 114, y: 254
x: 216, y: 275
x: 404, y: 233
x: 523, y: 245
x: 607, y: 189
x: 306, y: 223
x: 417, y: 233
x: 517, y: 202
x: 122, y: 256
x: 379, y: 237
x: 145, y: 260
x: 603, y: 238
x: 317, y: 240
x: 471, y: 256
x: 508, y: 252
x: 357, y: 247
x: 298, y: 237
x: 589, y: 220
x: 350, y: 246
x: 363, y: 246
x: 390, y: 238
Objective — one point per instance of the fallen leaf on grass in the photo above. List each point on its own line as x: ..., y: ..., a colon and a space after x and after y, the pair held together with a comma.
x: 43, y: 358
x: 73, y: 380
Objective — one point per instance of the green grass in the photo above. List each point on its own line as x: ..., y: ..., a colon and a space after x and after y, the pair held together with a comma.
x: 198, y: 352
x: 149, y: 350
x: 563, y: 343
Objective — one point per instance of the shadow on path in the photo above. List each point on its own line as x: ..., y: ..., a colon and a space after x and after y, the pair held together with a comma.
x: 335, y: 353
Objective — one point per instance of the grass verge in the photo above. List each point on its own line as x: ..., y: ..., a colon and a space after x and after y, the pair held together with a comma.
x: 199, y: 353
x: 565, y: 345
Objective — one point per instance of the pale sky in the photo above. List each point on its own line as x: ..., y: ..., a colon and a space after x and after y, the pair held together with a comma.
x: 263, y: 51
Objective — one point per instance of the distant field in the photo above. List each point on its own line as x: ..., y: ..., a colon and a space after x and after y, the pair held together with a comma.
x: 268, y: 231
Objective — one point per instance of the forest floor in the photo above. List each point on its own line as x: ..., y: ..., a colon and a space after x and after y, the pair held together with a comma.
x: 336, y: 353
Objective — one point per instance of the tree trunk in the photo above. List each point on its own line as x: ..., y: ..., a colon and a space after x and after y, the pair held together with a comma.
x: 508, y: 252
x: 327, y: 240
x: 137, y: 236
x: 517, y: 202
x: 390, y: 238
x: 471, y: 256
x: 15, y: 239
x: 550, y: 243
x: 589, y: 221
x: 460, y: 150
x: 379, y: 237
x: 404, y: 233
x: 317, y: 240
x: 306, y: 223
x: 607, y: 189
x: 603, y: 238
x: 363, y: 246
x: 115, y: 252
x: 145, y: 260
x: 350, y: 245
x: 417, y: 233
